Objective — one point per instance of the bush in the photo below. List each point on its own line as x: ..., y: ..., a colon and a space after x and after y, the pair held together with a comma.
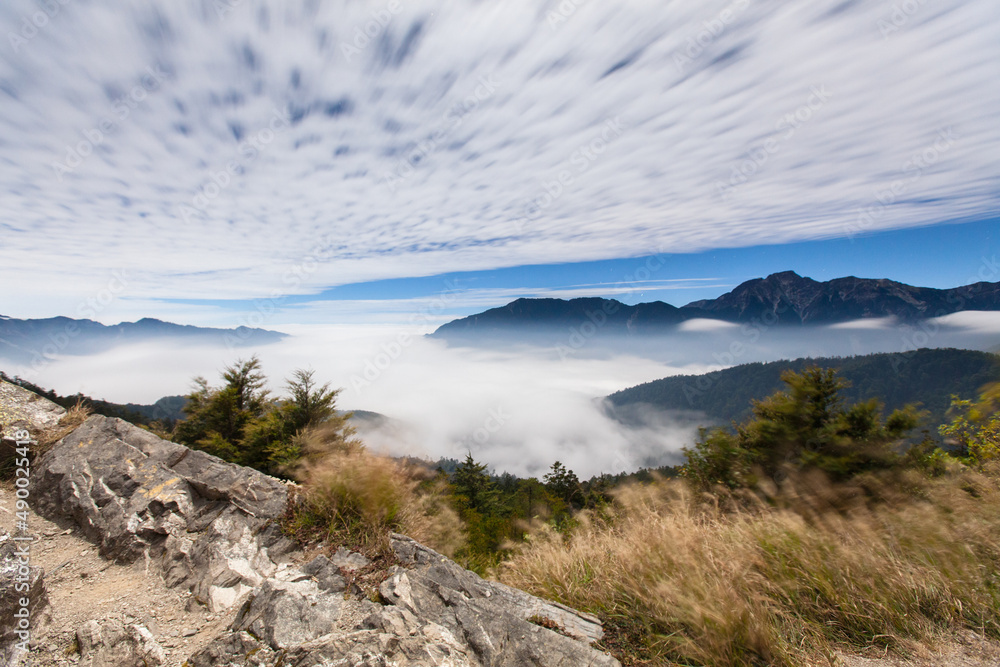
x: 352, y: 497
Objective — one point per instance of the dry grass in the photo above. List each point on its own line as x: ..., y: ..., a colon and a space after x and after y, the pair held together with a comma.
x: 352, y: 497
x: 780, y: 581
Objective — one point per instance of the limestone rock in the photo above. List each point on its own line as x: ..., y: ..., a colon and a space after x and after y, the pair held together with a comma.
x: 20, y: 408
x: 112, y: 644
x: 286, y: 613
x: 208, y: 524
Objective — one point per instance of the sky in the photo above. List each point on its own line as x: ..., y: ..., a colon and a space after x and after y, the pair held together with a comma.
x: 355, y: 162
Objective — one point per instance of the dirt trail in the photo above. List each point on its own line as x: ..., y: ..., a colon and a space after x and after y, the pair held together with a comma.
x: 83, y: 586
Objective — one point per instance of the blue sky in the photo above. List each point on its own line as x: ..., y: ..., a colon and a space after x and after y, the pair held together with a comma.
x: 338, y: 162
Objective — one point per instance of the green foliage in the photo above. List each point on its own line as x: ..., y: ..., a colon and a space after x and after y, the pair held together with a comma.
x: 805, y: 426
x: 240, y: 423
x: 926, y: 376
x: 975, y: 426
x: 564, y: 484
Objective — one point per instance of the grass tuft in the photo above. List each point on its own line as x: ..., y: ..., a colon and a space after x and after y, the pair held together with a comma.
x: 783, y: 579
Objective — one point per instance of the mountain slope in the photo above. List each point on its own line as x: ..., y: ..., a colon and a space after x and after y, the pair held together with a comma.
x: 608, y: 315
x: 927, y: 376
x: 27, y: 340
x: 781, y: 298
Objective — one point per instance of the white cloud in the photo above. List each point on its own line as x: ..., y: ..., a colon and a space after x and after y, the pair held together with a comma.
x: 316, y: 188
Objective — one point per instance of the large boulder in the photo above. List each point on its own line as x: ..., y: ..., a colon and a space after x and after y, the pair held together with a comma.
x: 210, y: 525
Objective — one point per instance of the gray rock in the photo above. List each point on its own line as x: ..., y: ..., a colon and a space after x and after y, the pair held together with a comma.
x: 491, y: 618
x: 327, y: 575
x: 349, y: 560
x: 18, y: 582
x: 286, y: 613
x: 112, y: 644
x: 208, y: 524
x: 20, y: 408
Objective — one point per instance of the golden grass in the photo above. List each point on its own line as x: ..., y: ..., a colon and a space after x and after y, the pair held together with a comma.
x: 353, y: 497
x: 781, y: 581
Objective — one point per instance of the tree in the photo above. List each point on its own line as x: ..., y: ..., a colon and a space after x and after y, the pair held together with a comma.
x: 564, y: 484
x: 805, y: 426
x: 474, y: 487
x: 239, y: 422
x: 271, y: 443
x: 217, y: 418
x: 975, y: 426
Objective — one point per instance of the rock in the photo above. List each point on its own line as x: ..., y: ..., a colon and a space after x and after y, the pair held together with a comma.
x: 19, y: 582
x: 326, y: 574
x: 286, y: 613
x: 111, y: 644
x: 349, y: 560
x: 207, y: 523
x: 212, y: 528
x: 20, y: 408
x: 491, y: 618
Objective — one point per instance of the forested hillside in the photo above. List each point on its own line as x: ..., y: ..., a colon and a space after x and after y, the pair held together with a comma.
x: 927, y: 376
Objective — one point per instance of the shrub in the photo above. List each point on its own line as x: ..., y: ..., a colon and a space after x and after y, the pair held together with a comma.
x: 353, y: 497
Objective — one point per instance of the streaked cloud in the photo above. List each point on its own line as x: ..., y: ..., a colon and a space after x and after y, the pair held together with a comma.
x: 233, y: 149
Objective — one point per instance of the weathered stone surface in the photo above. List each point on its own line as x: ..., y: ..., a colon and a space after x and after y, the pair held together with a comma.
x: 20, y: 408
x: 431, y: 570
x: 286, y: 613
x: 112, y: 644
x: 18, y: 581
x: 207, y: 523
x: 326, y: 574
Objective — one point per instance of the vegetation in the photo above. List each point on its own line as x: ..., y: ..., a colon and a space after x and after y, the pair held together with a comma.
x: 807, y: 530
x: 805, y: 426
x: 928, y: 377
x: 239, y: 422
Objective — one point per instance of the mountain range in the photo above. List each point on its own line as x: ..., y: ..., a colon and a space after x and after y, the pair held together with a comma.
x: 26, y: 341
x: 781, y: 298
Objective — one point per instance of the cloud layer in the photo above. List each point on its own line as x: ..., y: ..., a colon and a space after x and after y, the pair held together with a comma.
x: 238, y: 148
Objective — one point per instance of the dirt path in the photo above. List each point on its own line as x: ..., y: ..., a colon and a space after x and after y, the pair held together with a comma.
x: 83, y: 586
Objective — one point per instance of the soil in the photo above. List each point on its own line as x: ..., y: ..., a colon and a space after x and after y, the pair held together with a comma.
x: 82, y: 586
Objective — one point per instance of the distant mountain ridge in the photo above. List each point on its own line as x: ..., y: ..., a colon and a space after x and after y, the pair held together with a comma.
x: 781, y: 298
x: 27, y: 340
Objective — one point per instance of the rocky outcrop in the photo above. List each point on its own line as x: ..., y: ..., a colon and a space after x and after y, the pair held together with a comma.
x: 212, y: 528
x: 112, y: 643
x: 209, y: 525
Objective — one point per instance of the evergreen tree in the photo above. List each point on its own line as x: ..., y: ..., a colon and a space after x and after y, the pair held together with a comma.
x: 805, y: 425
